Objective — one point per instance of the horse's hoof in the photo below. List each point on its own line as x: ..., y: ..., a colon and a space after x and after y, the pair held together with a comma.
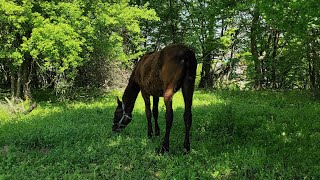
x: 186, y: 151
x: 116, y: 131
x: 162, y: 150
x: 149, y: 136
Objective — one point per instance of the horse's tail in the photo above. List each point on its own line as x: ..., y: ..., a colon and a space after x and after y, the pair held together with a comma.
x: 190, y: 65
x: 182, y: 72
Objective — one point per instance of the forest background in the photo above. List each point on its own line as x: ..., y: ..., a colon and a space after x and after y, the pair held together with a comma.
x: 246, y: 44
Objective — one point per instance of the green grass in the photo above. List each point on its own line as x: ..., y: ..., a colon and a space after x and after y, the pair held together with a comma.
x: 235, y: 135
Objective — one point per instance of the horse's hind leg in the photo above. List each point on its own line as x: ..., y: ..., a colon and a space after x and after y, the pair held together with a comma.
x: 155, y: 113
x: 148, y: 113
x: 169, y: 119
x: 187, y: 91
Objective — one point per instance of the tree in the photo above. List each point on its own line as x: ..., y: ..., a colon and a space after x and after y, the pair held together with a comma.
x: 53, y: 39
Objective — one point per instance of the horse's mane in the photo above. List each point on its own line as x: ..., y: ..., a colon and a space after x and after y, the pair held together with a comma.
x: 135, y: 61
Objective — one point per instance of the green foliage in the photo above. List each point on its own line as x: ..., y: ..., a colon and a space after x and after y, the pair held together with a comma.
x: 12, y: 19
x: 60, y: 39
x: 61, y: 36
x: 118, y: 28
x: 235, y: 135
x: 56, y: 46
x: 4, y: 112
x: 292, y: 16
x: 220, y: 29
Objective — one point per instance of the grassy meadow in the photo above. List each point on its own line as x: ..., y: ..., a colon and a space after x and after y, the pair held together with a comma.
x: 235, y: 135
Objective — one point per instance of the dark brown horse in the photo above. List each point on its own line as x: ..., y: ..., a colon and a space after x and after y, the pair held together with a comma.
x: 160, y: 74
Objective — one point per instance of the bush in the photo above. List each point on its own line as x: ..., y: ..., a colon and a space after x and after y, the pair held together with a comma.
x: 103, y: 73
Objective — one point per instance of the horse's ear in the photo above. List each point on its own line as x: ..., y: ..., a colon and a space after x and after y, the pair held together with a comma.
x: 118, y: 101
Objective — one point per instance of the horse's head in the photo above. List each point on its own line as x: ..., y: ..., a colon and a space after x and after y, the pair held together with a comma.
x: 121, y: 119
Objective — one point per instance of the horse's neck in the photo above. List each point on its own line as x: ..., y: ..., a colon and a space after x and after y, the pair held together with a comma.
x: 129, y: 96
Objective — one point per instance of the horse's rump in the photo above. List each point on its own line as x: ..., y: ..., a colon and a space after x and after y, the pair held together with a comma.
x: 161, y: 73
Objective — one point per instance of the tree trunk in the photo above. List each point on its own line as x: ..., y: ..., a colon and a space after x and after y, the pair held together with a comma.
x: 314, y: 67
x: 254, y: 49
x: 311, y: 72
x: 13, y: 82
x: 206, y: 80
x: 26, y: 65
x: 274, y: 59
x: 316, y: 73
x: 18, y: 85
x: 232, y: 51
x: 266, y: 62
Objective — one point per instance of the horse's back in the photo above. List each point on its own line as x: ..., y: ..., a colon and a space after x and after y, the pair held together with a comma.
x: 161, y: 73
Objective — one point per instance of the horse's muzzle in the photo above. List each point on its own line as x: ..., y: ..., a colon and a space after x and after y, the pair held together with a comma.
x: 116, y: 128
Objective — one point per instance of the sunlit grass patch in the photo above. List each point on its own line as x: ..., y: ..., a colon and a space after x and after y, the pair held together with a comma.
x: 255, y: 135
x: 4, y: 113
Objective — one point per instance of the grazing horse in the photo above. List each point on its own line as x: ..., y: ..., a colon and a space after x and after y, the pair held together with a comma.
x: 160, y: 74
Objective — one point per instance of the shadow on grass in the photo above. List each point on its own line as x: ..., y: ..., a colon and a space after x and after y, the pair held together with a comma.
x: 229, y: 140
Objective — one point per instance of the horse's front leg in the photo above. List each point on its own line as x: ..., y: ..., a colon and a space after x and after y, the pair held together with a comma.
x: 169, y: 119
x: 148, y: 113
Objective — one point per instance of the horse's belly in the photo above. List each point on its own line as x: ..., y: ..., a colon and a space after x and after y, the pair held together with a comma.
x: 153, y: 89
